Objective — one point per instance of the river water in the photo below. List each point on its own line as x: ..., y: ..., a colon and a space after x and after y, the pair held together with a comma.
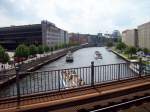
x: 83, y: 57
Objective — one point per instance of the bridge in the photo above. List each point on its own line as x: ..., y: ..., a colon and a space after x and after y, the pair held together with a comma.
x: 75, y: 89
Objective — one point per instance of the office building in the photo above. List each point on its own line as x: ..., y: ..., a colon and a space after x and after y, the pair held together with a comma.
x: 130, y: 37
x: 45, y: 33
x: 144, y: 35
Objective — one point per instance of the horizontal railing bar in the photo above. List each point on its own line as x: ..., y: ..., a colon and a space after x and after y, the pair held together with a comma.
x: 56, y: 70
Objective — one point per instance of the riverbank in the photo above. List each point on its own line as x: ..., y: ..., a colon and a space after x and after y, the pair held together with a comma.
x: 123, y: 57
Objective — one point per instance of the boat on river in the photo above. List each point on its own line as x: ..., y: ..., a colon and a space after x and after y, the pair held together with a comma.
x: 71, y: 79
x: 69, y: 57
x: 98, y: 55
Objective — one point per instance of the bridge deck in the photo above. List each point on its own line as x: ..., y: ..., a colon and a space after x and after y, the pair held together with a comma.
x: 69, y: 96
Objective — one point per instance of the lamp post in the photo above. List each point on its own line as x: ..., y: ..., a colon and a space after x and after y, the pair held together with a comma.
x: 140, y: 63
x: 17, y: 68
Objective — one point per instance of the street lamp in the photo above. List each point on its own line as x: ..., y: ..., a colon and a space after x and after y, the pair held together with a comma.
x: 17, y: 68
x: 140, y: 54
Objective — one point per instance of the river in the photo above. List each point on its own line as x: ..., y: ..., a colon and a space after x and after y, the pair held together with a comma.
x: 83, y: 57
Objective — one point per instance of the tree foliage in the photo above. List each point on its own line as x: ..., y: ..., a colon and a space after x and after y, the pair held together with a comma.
x: 56, y: 47
x: 4, y: 57
x: 109, y: 44
x: 131, y: 51
x: 51, y: 49
x: 2, y: 52
x: 22, y: 51
x: 40, y: 49
x: 46, y: 49
x: 146, y: 51
x: 120, y: 46
x: 33, y: 50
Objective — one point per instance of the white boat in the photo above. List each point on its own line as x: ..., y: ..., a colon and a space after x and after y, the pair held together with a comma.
x: 98, y: 55
x: 69, y: 57
x: 71, y: 79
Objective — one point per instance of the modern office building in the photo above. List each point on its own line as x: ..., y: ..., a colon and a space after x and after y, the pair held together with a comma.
x: 139, y: 37
x: 130, y: 37
x: 144, y: 35
x: 45, y: 33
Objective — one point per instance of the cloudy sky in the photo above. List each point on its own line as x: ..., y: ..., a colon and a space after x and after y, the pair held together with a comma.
x: 83, y: 16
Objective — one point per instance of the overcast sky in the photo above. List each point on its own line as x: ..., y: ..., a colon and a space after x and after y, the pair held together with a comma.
x: 83, y: 16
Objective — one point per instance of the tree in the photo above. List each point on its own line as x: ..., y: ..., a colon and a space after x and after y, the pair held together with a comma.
x: 40, y: 49
x: 131, y: 51
x: 51, y: 49
x: 146, y: 51
x: 4, y: 57
x: 33, y: 50
x: 120, y: 46
x: 46, y: 49
x: 109, y: 44
x: 2, y: 53
x: 56, y: 47
x: 139, y: 49
x: 119, y: 39
x: 22, y: 52
x: 63, y: 45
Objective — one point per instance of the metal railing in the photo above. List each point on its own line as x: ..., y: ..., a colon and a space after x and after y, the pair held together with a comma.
x: 57, y: 80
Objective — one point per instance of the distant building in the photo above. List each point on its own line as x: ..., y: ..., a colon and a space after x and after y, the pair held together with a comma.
x: 78, y: 38
x: 100, y: 35
x: 93, y: 39
x: 116, y: 34
x: 130, y: 37
x: 144, y: 35
x: 45, y: 33
x: 107, y: 35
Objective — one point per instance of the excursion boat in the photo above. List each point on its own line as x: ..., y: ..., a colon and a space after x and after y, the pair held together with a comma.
x: 69, y: 57
x: 71, y: 79
x: 98, y: 55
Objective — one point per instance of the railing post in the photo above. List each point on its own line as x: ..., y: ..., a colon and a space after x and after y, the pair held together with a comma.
x: 92, y: 73
x: 17, y: 68
x: 119, y: 72
x: 59, y: 80
x: 140, y: 67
